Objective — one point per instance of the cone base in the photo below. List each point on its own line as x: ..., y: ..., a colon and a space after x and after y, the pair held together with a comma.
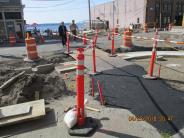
x: 31, y: 60
x: 93, y: 74
x: 68, y: 52
x: 150, y: 77
x: 89, y: 127
x: 114, y: 55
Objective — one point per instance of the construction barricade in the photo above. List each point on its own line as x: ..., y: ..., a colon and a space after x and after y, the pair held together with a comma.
x: 31, y: 49
x: 12, y: 39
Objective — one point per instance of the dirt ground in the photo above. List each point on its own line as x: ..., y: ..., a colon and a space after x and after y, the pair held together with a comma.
x: 49, y: 86
x: 172, y: 71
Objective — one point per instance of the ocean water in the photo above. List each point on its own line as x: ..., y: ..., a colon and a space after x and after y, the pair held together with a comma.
x: 53, y: 26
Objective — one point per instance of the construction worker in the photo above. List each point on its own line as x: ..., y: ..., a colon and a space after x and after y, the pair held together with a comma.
x: 62, y: 33
x: 73, y: 29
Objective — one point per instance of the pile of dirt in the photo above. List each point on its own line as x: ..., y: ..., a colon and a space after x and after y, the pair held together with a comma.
x: 49, y: 87
x: 27, y: 88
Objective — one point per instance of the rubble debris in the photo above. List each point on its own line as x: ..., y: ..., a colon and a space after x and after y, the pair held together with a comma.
x: 92, y: 109
x: 64, y: 69
x: 10, y: 81
x: 43, y: 69
x: 49, y: 86
x: 26, y: 69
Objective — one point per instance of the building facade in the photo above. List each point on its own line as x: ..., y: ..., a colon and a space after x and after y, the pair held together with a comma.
x: 122, y: 13
x: 11, y: 18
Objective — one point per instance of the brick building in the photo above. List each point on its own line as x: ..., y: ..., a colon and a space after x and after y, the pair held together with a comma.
x: 11, y: 18
x: 125, y: 12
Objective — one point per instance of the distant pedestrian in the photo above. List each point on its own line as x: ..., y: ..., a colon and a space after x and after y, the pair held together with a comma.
x: 74, y: 29
x: 62, y: 33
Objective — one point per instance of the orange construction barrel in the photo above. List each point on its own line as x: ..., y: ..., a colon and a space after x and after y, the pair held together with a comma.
x: 146, y: 28
x: 127, y: 38
x: 31, y: 48
x: 12, y: 39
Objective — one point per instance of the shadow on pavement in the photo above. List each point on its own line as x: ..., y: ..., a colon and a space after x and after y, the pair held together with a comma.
x: 125, y: 88
x: 109, y: 132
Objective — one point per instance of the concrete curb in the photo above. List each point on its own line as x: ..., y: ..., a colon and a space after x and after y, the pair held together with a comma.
x: 42, y: 69
x: 146, y: 54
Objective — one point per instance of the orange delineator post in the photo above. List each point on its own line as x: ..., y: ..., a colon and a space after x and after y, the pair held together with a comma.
x: 84, y: 39
x: 68, y: 43
x: 112, y: 51
x: 80, y: 87
x: 12, y: 39
x: 159, y: 71
x: 94, y: 55
x: 153, y: 57
x: 152, y: 60
x: 93, y: 86
x: 100, y: 93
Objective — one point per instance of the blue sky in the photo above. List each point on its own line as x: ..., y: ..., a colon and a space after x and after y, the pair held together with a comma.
x: 55, y: 11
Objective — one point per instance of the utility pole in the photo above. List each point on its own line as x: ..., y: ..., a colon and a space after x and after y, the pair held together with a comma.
x: 113, y: 13
x: 89, y: 4
x: 160, y: 14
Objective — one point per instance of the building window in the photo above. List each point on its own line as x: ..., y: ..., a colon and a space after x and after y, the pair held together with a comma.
x: 165, y: 7
x: 157, y: 19
x: 157, y: 7
x: 13, y: 15
x: 117, y: 21
x: 165, y: 20
x: 179, y: 7
x: 168, y: 19
x: 1, y: 17
x: 169, y: 8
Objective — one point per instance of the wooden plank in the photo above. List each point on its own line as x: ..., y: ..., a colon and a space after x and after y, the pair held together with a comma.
x: 10, y: 111
x: 63, y: 69
x: 69, y: 63
x: 37, y: 111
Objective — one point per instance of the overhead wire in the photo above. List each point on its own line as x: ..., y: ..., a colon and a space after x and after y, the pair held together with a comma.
x: 56, y: 5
